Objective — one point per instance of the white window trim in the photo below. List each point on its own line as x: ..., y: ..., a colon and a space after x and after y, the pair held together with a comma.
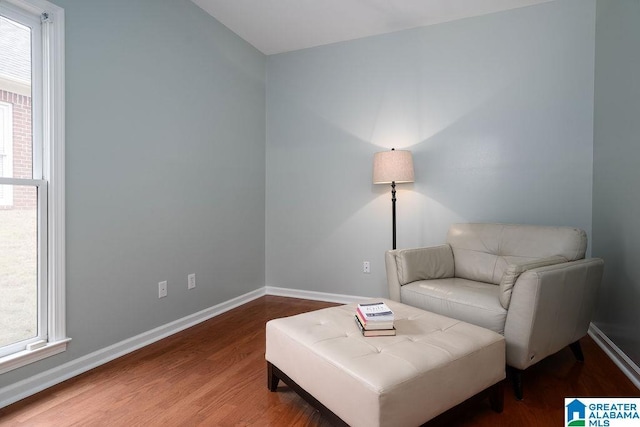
x: 53, y: 137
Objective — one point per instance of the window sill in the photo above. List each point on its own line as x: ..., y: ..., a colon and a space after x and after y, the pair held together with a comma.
x: 22, y: 358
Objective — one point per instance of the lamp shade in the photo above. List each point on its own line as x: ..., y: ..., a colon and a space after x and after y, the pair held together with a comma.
x: 392, y: 166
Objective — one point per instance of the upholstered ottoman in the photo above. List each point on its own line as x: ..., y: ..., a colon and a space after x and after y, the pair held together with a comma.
x: 431, y: 365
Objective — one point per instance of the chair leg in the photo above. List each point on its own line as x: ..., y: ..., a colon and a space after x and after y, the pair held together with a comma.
x: 516, y: 380
x: 577, y: 351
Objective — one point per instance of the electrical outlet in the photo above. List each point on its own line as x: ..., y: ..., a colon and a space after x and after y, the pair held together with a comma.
x: 366, y: 267
x: 191, y: 281
x: 162, y: 289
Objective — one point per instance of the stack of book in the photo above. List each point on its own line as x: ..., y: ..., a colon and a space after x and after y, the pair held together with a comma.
x: 375, y: 319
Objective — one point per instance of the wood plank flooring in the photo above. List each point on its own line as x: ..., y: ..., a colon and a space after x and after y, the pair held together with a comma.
x: 214, y: 374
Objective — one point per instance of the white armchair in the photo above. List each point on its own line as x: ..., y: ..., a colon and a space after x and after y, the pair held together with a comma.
x: 529, y: 283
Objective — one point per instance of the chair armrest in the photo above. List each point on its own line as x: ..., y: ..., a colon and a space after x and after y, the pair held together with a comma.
x: 551, y: 307
x: 392, y: 275
x: 408, y: 265
x: 514, y: 270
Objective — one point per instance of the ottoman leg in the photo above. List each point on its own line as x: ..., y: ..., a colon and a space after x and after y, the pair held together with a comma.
x: 272, y: 378
x: 274, y: 374
x: 496, y: 396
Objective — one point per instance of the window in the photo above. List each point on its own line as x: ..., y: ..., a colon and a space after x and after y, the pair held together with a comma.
x: 6, y: 150
x: 32, y: 249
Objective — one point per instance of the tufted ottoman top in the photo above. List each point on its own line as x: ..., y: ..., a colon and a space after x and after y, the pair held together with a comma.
x: 432, y: 359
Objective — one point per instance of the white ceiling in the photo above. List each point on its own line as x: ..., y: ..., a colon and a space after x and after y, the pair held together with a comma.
x: 276, y: 26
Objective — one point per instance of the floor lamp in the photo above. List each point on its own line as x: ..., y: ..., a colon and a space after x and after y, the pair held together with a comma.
x: 393, y: 167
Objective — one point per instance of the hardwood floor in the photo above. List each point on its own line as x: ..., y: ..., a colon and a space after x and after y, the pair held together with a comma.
x: 214, y: 374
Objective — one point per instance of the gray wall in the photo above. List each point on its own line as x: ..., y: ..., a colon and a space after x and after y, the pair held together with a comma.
x: 497, y: 110
x: 166, y: 154
x: 165, y: 168
x: 616, y: 198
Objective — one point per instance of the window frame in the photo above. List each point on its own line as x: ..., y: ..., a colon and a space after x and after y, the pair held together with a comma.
x: 49, y: 81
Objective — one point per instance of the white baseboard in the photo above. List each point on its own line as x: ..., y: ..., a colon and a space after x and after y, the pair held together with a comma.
x: 17, y: 391
x: 312, y: 295
x: 32, y: 385
x: 626, y: 365
x: 29, y: 386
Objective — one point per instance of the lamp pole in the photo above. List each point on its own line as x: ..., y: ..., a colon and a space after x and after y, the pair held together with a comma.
x: 393, y: 211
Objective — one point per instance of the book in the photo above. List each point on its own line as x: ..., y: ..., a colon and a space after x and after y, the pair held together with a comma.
x: 376, y: 332
x: 375, y: 312
x: 374, y: 325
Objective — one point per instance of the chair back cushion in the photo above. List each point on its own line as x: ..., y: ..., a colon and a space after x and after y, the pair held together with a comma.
x: 483, y: 252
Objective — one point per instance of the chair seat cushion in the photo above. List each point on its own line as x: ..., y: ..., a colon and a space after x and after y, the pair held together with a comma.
x: 473, y: 302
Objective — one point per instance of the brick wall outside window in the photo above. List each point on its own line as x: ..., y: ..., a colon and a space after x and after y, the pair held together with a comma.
x: 23, y: 197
